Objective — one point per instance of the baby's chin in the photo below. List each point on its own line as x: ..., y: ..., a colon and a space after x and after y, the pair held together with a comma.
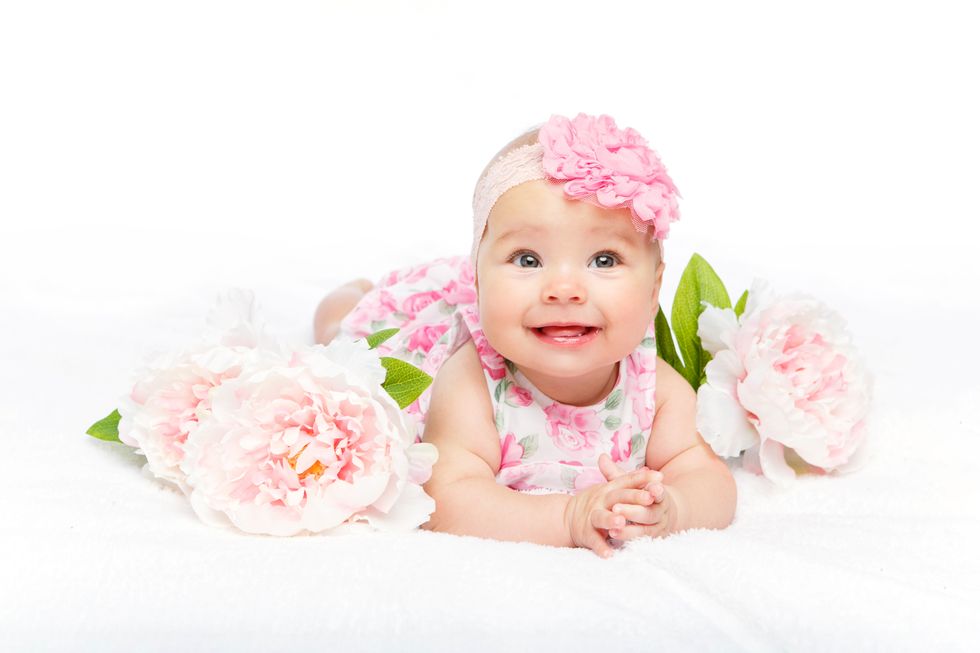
x: 568, y: 370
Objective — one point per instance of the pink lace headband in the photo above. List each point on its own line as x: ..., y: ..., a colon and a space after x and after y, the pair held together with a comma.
x: 602, y: 164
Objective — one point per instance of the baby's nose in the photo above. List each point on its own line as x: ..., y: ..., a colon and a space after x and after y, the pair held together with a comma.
x: 564, y: 288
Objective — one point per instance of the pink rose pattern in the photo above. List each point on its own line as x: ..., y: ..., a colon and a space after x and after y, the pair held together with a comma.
x: 545, y: 445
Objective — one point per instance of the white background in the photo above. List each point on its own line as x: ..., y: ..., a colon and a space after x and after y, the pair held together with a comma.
x: 147, y: 147
x: 152, y: 154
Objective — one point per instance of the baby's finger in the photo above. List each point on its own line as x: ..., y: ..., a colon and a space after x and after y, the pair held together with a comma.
x: 599, y: 545
x: 629, y: 495
x: 606, y: 519
x: 634, y: 531
x: 657, y: 491
x: 636, y: 479
x: 609, y: 468
x: 632, y: 513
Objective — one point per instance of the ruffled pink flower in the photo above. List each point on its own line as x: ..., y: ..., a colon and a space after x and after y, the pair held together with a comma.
x: 784, y: 379
x: 613, y: 168
x: 306, y: 443
x: 572, y: 428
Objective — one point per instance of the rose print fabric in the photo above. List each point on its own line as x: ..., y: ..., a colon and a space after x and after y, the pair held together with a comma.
x: 545, y: 446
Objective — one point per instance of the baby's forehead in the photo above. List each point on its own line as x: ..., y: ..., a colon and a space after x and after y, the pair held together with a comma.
x: 514, y: 222
x: 530, y: 228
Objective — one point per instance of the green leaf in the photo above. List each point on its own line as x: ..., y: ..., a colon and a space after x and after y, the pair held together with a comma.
x: 612, y: 422
x: 613, y: 400
x: 636, y: 444
x: 404, y: 382
x: 698, y: 283
x: 106, y: 428
x: 500, y: 389
x: 378, y: 337
x: 665, y: 343
x: 740, y: 306
x: 529, y: 444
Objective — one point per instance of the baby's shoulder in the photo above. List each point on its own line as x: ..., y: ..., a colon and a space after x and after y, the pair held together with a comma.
x: 671, y: 385
x: 462, y: 369
x: 460, y: 408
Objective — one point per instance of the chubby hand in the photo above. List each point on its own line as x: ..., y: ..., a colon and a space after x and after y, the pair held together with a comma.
x: 654, y: 515
x: 588, y: 515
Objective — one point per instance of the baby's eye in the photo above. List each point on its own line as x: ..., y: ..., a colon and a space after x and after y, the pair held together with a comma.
x: 606, y: 259
x: 524, y: 257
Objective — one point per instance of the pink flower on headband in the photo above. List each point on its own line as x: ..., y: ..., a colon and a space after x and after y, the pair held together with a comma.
x: 616, y: 166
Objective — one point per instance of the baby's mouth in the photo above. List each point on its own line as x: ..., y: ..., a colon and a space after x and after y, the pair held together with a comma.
x: 566, y: 331
x: 566, y: 335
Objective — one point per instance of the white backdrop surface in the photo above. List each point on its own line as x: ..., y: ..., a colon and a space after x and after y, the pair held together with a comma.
x: 152, y: 155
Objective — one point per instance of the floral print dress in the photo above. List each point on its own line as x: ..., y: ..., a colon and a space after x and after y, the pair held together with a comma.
x: 545, y: 446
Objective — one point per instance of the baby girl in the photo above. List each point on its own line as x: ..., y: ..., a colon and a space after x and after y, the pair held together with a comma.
x: 555, y: 420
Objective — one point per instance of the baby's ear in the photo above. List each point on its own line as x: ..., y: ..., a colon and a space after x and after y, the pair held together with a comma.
x: 655, y: 299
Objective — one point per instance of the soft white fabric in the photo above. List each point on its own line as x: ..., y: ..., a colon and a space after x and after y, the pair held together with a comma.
x: 97, y: 557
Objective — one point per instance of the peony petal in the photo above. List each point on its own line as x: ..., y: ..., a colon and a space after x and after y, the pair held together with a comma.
x: 717, y: 328
x: 773, y: 463
x: 422, y: 457
x: 723, y: 423
x: 414, y: 507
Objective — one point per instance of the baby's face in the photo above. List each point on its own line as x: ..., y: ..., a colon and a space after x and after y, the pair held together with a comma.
x: 547, y: 259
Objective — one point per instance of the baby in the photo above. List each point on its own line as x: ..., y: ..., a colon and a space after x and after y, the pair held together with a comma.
x: 555, y: 420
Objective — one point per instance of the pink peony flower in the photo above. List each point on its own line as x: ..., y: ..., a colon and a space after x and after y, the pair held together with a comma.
x: 784, y: 381
x: 173, y: 392
x: 572, y: 428
x: 610, y: 167
x: 306, y: 443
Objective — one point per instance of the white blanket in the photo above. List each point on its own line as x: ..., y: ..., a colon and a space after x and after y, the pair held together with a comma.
x: 98, y: 557
x: 153, y: 154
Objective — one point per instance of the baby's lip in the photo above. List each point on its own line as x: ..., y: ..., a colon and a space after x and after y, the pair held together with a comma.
x: 582, y: 324
x: 565, y: 324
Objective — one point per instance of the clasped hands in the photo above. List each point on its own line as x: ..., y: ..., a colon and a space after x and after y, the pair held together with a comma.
x: 628, y: 505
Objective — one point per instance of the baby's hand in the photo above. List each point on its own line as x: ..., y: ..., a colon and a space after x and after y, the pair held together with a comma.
x: 653, y: 515
x: 588, y: 516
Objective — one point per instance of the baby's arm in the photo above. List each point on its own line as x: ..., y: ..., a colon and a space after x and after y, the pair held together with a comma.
x: 469, y: 501
x: 699, y: 482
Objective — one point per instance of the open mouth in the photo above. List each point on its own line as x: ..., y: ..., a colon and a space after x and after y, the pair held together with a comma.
x: 571, y: 334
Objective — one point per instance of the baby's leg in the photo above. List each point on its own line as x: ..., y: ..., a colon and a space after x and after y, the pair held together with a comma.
x: 333, y: 308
